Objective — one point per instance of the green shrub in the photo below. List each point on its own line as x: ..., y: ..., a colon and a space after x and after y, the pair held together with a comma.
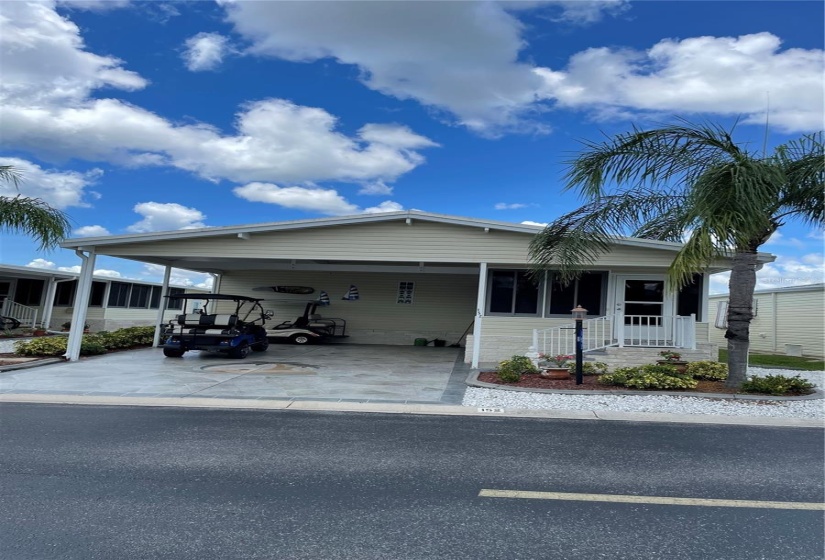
x: 42, y: 346
x: 91, y: 344
x: 589, y: 368
x: 649, y: 377
x: 510, y: 371
x: 712, y: 371
x: 778, y: 385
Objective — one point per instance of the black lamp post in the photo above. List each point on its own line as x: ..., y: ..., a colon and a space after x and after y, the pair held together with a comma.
x: 579, y: 313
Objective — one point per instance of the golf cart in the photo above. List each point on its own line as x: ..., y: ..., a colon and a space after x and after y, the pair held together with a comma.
x: 234, y: 334
x: 309, y: 327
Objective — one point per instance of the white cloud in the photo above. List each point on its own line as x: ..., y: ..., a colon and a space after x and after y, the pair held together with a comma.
x: 47, y: 107
x: 59, y: 189
x: 513, y: 206
x: 460, y: 57
x: 777, y: 238
x: 586, y: 11
x: 205, y: 51
x: 386, y: 206
x: 90, y: 231
x: 715, y: 75
x: 311, y: 199
x: 177, y: 276
x: 42, y: 263
x: 159, y: 216
x: 784, y: 272
x: 108, y: 273
x: 530, y: 223
x: 376, y: 188
x: 94, y: 5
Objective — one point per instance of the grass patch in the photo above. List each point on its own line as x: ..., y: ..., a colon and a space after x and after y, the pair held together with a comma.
x: 778, y: 361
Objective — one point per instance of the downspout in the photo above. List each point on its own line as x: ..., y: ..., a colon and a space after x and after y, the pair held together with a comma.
x: 81, y: 303
x: 481, y: 300
x: 164, y: 289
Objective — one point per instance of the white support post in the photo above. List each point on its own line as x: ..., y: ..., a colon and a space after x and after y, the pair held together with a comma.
x: 164, y: 289
x: 48, y: 305
x: 81, y: 304
x: 620, y: 329
x: 480, y: 301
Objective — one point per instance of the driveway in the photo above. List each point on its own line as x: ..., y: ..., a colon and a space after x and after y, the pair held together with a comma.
x: 333, y: 372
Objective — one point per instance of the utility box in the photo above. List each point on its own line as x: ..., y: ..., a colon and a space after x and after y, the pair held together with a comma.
x: 793, y: 350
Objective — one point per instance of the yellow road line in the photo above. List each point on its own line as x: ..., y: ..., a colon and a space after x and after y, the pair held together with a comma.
x: 663, y: 500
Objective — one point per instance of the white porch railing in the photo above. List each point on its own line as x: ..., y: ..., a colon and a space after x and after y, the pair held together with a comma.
x: 26, y: 315
x: 596, y: 333
x: 663, y: 331
x: 619, y: 330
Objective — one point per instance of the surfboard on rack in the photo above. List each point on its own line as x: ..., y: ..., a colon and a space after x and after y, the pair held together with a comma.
x: 303, y: 290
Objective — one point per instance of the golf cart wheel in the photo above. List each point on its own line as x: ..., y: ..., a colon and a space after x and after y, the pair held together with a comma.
x: 261, y: 346
x: 239, y: 352
x: 173, y: 352
x: 301, y: 338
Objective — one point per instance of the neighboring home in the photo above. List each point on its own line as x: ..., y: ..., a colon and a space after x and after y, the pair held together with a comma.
x: 788, y: 320
x: 45, y: 298
x: 422, y: 275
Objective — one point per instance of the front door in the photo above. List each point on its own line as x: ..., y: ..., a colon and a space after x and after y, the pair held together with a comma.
x: 642, y: 310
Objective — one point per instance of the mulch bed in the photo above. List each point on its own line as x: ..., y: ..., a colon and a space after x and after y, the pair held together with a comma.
x: 590, y: 383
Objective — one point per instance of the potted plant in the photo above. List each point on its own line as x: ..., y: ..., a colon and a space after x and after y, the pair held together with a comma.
x: 671, y: 358
x: 68, y: 325
x: 554, y: 367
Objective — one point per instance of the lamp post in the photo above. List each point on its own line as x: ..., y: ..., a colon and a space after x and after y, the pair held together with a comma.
x: 579, y: 313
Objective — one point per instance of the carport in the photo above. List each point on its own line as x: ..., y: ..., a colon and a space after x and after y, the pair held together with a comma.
x: 334, y: 372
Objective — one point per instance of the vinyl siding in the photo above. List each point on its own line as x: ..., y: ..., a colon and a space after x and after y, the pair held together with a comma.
x: 443, y: 305
x: 799, y: 318
x: 379, y: 242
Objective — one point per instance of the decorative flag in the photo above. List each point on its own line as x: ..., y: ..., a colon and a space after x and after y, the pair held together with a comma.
x: 352, y: 294
x: 323, y: 298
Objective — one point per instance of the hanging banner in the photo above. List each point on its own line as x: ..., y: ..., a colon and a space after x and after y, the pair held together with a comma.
x: 286, y: 289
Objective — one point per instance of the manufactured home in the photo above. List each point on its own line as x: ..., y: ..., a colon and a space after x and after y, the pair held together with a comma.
x: 400, y: 276
x: 788, y: 320
x: 43, y: 298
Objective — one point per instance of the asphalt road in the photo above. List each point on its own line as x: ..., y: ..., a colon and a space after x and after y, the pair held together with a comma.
x: 112, y: 482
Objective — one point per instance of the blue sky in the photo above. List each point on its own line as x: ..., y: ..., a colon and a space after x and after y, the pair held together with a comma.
x: 151, y: 116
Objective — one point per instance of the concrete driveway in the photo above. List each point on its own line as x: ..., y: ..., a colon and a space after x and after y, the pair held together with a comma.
x: 330, y: 372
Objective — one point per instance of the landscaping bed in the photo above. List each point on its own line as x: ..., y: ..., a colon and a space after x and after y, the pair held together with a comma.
x: 590, y: 383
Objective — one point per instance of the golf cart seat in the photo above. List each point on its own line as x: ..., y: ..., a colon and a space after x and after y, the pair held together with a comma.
x: 216, y: 324
x: 331, y: 326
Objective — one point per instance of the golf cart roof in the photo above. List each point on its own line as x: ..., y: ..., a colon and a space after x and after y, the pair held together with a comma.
x: 213, y: 297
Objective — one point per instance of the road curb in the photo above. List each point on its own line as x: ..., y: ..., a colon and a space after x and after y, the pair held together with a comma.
x: 392, y: 408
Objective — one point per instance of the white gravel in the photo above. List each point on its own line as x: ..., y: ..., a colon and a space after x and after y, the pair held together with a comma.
x: 495, y: 398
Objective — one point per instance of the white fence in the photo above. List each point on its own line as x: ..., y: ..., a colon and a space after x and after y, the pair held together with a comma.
x: 26, y: 315
x: 619, y: 330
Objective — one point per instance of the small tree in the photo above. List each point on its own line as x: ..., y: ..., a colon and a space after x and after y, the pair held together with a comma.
x: 692, y: 184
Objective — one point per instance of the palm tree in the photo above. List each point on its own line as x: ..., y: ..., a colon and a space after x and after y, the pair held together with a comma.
x: 30, y: 216
x: 693, y: 184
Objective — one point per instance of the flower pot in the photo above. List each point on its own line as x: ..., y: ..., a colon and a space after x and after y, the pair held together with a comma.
x: 555, y: 373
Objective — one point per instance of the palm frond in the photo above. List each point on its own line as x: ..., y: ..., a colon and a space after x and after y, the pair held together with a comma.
x: 33, y: 217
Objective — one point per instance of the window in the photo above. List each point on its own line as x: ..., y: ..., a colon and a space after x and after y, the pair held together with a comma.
x: 587, y: 290
x: 173, y: 302
x: 512, y: 292
x: 119, y: 294
x: 64, y: 294
x: 28, y: 292
x: 405, y: 292
x: 154, y: 300
x: 690, y: 298
x: 139, y: 297
x: 97, y: 295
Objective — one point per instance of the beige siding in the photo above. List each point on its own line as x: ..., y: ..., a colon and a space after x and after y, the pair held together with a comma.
x: 443, y: 305
x: 384, y: 242
x: 792, y: 317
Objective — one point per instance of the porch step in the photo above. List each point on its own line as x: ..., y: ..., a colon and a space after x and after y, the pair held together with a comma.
x: 616, y: 357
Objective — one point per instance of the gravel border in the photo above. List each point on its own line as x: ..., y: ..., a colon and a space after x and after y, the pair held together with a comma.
x: 658, y: 403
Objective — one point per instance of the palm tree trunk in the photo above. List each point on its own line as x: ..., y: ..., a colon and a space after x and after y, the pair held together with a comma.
x: 740, y: 312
